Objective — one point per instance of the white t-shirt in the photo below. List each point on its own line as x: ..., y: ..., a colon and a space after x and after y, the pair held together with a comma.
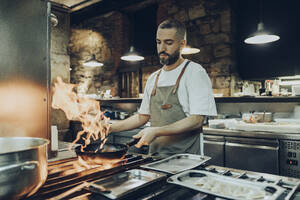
x: 194, y: 90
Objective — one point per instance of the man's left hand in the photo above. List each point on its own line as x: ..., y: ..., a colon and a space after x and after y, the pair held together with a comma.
x: 147, y: 135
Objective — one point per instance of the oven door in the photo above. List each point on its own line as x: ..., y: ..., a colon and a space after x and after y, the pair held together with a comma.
x: 260, y: 155
x: 214, y: 148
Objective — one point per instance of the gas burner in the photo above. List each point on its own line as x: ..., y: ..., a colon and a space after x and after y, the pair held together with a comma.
x: 261, y: 179
x: 228, y: 173
x: 267, y: 179
x: 248, y: 177
x: 233, y: 174
x: 213, y: 170
x: 244, y: 176
x: 65, y: 175
x: 285, y: 184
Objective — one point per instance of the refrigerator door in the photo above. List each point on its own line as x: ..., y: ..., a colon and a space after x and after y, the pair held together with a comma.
x: 260, y: 155
x: 214, y: 147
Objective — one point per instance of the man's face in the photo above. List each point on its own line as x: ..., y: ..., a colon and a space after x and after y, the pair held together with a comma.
x: 168, y: 46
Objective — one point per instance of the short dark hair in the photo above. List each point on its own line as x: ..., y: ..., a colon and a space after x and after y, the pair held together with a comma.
x: 172, y: 23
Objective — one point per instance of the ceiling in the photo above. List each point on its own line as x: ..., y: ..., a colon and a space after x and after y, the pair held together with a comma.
x: 83, y: 9
x: 74, y: 5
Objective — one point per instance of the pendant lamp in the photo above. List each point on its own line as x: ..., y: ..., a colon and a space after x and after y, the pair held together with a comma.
x: 261, y: 36
x: 189, y: 50
x: 92, y: 62
x: 132, y: 56
x: 53, y: 20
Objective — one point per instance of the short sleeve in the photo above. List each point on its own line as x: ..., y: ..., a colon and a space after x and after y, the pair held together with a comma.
x: 200, y: 95
x: 145, y: 105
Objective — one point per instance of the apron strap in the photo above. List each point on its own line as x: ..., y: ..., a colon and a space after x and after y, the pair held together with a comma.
x: 155, y: 84
x: 179, y: 77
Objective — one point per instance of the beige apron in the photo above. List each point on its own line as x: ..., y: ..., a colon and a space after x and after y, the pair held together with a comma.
x: 165, y: 109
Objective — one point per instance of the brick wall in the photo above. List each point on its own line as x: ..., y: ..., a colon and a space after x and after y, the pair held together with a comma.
x: 106, y: 37
x: 210, y: 27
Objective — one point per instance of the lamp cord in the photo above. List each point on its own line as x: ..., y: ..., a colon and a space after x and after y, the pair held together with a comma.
x: 260, y: 11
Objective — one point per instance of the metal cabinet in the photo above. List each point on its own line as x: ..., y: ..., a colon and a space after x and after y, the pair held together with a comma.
x: 214, y: 148
x: 260, y: 155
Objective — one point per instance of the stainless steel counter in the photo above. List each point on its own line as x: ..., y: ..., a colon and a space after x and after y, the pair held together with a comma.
x: 251, y: 134
x: 219, y: 99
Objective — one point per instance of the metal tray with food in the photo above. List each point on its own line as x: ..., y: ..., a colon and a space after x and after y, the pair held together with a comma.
x: 177, y: 163
x: 226, y: 187
x: 118, y: 185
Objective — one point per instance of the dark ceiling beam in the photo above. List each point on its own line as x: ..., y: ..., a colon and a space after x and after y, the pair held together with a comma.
x: 80, y: 3
x: 100, y: 8
x: 60, y: 7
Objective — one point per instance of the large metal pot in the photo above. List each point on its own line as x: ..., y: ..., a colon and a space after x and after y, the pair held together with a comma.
x: 23, y: 166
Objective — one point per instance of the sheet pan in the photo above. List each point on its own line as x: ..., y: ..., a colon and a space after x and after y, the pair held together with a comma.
x: 118, y: 185
x: 177, y: 163
x: 226, y: 187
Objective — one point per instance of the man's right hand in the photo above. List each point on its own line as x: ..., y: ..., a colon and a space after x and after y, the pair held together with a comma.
x: 147, y: 135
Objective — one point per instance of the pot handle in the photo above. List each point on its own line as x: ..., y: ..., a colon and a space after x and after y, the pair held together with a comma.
x: 28, y: 165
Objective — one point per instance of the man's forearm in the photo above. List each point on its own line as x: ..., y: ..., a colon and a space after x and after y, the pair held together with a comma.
x: 132, y: 122
x: 187, y: 124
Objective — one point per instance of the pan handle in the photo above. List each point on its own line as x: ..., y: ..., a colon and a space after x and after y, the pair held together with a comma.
x: 133, y: 142
x: 28, y: 165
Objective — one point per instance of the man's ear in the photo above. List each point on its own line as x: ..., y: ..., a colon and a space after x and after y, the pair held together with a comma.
x: 182, y: 44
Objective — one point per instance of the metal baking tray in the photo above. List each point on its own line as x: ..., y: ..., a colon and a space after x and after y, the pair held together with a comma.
x: 118, y: 185
x: 226, y: 187
x: 177, y: 163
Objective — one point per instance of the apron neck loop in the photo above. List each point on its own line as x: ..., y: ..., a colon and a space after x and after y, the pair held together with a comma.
x: 155, y: 84
x: 179, y: 77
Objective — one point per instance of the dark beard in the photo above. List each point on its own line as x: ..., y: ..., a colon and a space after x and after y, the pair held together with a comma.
x: 171, y: 58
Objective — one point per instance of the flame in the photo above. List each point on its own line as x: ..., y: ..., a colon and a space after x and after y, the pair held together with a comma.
x: 89, y: 163
x: 82, y: 109
x: 98, y: 164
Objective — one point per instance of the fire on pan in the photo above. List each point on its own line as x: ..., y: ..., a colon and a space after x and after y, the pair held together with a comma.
x: 108, y: 151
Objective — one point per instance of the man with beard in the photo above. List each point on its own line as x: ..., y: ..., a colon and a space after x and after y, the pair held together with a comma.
x: 176, y: 100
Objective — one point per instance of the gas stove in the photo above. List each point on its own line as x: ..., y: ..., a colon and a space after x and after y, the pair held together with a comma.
x: 65, y: 181
x: 63, y: 175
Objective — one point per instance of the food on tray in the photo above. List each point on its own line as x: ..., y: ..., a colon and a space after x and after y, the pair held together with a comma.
x: 228, y: 189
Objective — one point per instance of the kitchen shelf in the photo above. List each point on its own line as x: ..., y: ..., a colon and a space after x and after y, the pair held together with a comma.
x: 258, y: 99
x: 121, y: 100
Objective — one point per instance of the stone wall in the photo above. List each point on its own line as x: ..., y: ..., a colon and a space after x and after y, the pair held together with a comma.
x: 106, y: 37
x: 60, y: 61
x: 210, y: 27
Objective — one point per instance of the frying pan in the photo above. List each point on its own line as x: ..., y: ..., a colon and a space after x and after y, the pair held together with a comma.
x: 109, y: 151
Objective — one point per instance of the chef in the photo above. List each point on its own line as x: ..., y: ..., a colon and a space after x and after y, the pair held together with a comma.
x: 176, y: 99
